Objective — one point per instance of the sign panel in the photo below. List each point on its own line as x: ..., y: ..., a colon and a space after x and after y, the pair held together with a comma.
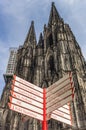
x: 24, y: 87
x: 27, y: 100
x: 60, y: 81
x: 67, y: 111
x: 25, y: 111
x: 66, y: 106
x: 25, y: 93
x: 28, y: 84
x: 59, y: 92
x: 25, y: 105
x: 56, y: 117
x: 56, y: 88
x: 59, y: 104
x: 54, y: 100
x: 63, y: 111
x: 61, y: 114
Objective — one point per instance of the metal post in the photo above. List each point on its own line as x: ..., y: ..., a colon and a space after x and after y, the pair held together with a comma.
x: 44, y: 123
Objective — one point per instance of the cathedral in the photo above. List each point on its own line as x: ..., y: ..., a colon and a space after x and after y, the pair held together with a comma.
x: 43, y: 63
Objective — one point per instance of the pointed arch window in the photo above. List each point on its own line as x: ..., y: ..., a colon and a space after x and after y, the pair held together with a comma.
x: 50, y: 39
x: 51, y: 67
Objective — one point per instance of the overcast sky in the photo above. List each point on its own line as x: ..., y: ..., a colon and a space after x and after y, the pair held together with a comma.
x: 16, y: 17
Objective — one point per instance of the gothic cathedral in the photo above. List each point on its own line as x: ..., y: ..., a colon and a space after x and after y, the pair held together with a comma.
x: 56, y: 53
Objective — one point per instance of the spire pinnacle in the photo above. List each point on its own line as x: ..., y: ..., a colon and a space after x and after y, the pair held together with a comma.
x: 53, y: 4
x: 54, y: 15
x: 31, y: 36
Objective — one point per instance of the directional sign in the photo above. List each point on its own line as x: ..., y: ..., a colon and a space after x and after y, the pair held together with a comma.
x: 62, y: 114
x: 43, y: 104
x: 59, y: 118
x: 26, y: 83
x: 25, y: 93
x: 25, y: 105
x: 59, y: 104
x: 59, y: 92
x: 26, y: 99
x: 66, y: 106
x: 25, y: 111
x: 26, y: 88
x: 62, y: 109
x: 54, y: 100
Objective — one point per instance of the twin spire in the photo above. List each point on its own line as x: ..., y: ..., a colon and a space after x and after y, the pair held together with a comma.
x: 54, y: 16
x: 31, y: 36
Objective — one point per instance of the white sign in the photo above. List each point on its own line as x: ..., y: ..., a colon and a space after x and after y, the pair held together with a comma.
x: 25, y: 111
x: 63, y: 111
x: 28, y: 84
x: 56, y: 117
x: 26, y: 88
x: 66, y: 106
x: 67, y: 111
x: 59, y: 104
x: 54, y: 100
x: 25, y: 93
x: 61, y: 114
x: 27, y: 100
x: 58, y: 93
x: 25, y: 105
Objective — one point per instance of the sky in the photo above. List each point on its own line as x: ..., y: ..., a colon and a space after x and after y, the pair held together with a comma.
x: 16, y: 17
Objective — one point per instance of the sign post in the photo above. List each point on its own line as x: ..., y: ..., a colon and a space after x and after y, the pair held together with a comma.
x: 43, y: 104
x: 44, y: 123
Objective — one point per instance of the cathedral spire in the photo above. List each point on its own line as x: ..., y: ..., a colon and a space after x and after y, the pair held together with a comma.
x: 31, y: 36
x: 54, y: 15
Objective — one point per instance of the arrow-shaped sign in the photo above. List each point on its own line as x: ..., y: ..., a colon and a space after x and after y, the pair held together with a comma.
x: 24, y: 111
x: 26, y: 83
x: 59, y: 104
x: 59, y: 92
x: 28, y: 89
x: 25, y: 105
x: 59, y: 98
x: 26, y: 99
x: 59, y: 118
x: 26, y: 93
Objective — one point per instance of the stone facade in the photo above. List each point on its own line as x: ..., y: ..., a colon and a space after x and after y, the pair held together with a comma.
x: 42, y: 64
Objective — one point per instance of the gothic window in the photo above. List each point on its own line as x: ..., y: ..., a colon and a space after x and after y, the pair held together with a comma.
x: 50, y: 40
x: 51, y: 63
x: 51, y: 66
x: 56, y: 77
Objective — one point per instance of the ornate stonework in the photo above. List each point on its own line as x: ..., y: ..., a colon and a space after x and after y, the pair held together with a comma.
x: 56, y: 53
